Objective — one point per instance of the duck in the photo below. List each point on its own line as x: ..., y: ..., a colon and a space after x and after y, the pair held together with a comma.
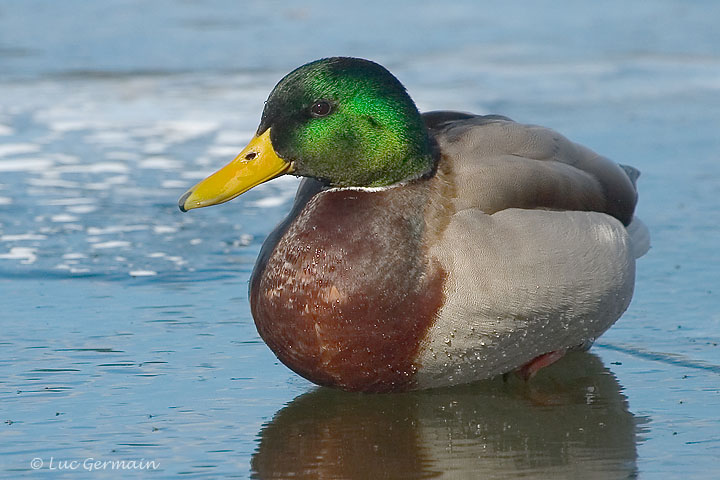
x: 427, y: 250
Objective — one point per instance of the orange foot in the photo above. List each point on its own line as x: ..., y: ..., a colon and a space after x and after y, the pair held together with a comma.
x: 529, y: 370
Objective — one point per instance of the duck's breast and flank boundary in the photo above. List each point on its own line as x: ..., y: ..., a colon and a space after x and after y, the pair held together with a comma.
x: 347, y: 294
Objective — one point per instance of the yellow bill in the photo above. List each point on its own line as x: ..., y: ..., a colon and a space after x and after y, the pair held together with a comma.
x: 256, y: 164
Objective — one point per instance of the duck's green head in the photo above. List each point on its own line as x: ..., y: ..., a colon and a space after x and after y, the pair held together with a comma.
x: 347, y: 121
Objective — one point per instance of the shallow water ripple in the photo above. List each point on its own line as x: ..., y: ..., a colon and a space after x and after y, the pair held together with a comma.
x: 126, y: 331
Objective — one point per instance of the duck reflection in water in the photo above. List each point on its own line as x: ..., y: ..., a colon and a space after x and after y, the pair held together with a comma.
x: 571, y: 421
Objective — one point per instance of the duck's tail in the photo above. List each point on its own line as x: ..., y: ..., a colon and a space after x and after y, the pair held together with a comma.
x: 639, y: 237
x: 632, y: 173
x: 639, y: 233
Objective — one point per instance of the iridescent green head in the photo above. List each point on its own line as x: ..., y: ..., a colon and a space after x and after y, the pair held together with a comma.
x: 348, y: 121
x: 343, y: 120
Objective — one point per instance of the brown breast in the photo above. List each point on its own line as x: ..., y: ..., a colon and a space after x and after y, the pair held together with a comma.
x: 347, y: 295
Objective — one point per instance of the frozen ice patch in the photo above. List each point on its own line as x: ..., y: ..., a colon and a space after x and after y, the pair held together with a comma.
x: 111, y: 244
x: 64, y: 126
x: 112, y: 137
x: 63, y: 218
x: 142, y: 273
x: 174, y: 184
x: 115, y: 229
x: 74, y: 256
x: 51, y: 182
x: 267, y: 202
x: 9, y: 149
x: 108, y: 182
x: 155, y: 147
x: 81, y: 209
x: 25, y: 165
x: 164, y: 229
x: 233, y: 138
x: 181, y: 131
x: 26, y: 255
x: 160, y: 163
x: 24, y: 237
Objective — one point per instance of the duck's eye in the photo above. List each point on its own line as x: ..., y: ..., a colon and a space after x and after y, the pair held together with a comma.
x: 320, y: 109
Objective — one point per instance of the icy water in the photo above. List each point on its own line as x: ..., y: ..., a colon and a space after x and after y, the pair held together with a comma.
x: 125, y: 329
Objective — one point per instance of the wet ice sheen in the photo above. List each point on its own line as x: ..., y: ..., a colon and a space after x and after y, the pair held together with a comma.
x: 125, y: 326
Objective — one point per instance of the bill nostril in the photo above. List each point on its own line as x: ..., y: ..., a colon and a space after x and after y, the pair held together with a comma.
x: 250, y: 156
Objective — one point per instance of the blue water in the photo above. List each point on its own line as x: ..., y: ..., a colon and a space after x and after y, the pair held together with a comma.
x: 126, y: 333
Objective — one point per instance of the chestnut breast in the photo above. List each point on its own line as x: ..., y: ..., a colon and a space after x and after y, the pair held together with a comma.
x: 347, y: 294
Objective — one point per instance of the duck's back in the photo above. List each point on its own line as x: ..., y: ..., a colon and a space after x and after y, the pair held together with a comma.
x: 496, y: 164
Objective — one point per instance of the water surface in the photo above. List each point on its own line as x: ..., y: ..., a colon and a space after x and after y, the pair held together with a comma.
x: 126, y: 329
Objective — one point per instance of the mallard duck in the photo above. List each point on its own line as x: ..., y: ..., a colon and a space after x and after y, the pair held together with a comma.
x: 426, y: 250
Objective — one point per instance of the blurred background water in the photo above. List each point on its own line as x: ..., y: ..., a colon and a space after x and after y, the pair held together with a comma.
x: 126, y: 333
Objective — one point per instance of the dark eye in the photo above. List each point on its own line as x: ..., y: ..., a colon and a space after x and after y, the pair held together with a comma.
x: 320, y: 109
